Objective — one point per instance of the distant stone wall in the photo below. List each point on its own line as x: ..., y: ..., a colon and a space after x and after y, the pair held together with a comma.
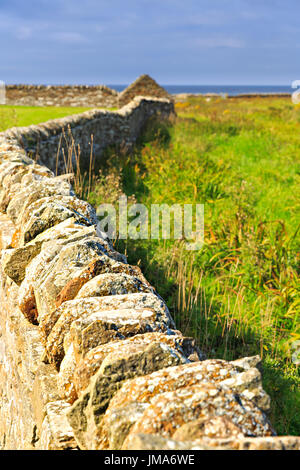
x: 83, y: 95
x: 179, y: 97
x: 64, y: 95
x: 90, y: 357
x: 120, y: 127
x: 261, y: 95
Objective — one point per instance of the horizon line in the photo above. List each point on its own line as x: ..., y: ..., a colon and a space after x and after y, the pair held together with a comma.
x: 161, y: 84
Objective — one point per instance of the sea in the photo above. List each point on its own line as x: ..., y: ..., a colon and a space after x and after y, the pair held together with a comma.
x: 230, y: 90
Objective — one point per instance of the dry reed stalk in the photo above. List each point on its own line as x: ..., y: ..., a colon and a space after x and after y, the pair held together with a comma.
x: 57, y: 154
x: 91, y: 163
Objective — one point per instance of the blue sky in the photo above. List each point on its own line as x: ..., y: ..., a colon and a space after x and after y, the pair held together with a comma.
x: 177, y: 42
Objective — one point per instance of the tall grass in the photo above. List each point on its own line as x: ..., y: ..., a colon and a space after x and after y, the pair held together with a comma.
x: 8, y: 118
x: 70, y: 162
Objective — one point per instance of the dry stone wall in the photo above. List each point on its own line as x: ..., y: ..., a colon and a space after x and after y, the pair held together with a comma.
x: 64, y: 95
x: 83, y: 95
x: 120, y: 127
x: 90, y: 357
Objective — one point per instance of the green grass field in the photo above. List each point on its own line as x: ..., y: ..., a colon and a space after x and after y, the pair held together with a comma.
x: 19, y: 116
x: 239, y: 295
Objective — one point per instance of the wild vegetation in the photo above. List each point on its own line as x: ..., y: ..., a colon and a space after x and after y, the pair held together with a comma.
x: 239, y: 295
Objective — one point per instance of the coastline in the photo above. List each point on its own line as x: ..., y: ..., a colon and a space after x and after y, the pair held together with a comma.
x: 228, y: 96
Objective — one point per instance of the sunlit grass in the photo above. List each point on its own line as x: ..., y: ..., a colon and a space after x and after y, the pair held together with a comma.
x: 11, y: 116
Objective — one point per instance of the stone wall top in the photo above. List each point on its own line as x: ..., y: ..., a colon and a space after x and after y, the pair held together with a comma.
x: 120, y: 127
x: 61, y: 95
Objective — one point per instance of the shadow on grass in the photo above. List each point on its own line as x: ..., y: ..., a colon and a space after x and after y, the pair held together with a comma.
x: 282, y: 382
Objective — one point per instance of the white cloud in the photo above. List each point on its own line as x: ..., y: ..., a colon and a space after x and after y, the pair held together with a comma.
x: 99, y: 28
x: 23, y: 32
x: 69, y: 37
x: 208, y: 18
x: 214, y: 42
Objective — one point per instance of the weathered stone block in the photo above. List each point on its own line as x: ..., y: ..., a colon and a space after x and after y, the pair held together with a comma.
x: 69, y: 264
x: 43, y: 264
x: 102, y: 265
x: 57, y: 434
x: 141, y: 390
x: 170, y: 410
x: 13, y: 181
x: 44, y: 392
x: 48, y: 215
x: 112, y: 284
x: 137, y: 356
x: 28, y: 194
x: 216, y: 427
x: 155, y: 442
x: 15, y: 260
x: 102, y: 327
x: 37, y: 269
x: 92, y: 362
x: 65, y: 379
x: 71, y: 202
x: 58, y: 323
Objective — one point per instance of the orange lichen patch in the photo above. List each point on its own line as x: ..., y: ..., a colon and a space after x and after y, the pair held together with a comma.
x: 9, y: 147
x: 70, y: 393
x: 72, y: 288
x: 15, y: 238
x: 169, y: 411
x: 96, y: 268
x: 34, y: 271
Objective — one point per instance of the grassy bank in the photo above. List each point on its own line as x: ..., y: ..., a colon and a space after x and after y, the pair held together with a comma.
x: 239, y: 295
